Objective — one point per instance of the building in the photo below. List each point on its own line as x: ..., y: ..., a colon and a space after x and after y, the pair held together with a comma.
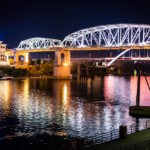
x: 3, y: 56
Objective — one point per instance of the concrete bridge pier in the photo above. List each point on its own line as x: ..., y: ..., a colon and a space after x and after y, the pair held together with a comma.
x: 62, y: 64
x: 25, y: 61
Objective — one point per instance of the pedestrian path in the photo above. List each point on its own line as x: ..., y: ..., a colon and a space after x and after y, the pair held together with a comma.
x: 132, y: 139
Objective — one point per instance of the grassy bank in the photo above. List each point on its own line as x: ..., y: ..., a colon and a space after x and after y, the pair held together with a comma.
x: 129, y: 141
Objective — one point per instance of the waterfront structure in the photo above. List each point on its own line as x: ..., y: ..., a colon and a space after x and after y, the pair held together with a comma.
x: 62, y: 64
x: 3, y: 55
x: 126, y: 37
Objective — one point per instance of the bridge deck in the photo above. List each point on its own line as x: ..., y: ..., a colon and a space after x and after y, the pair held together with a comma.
x: 84, y: 49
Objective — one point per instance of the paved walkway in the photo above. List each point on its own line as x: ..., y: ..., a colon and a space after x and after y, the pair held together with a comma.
x: 130, y: 140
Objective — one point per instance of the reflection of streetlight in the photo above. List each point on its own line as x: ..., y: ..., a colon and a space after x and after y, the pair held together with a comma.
x: 65, y: 94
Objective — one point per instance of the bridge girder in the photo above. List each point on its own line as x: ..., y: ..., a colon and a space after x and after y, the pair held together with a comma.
x: 38, y: 43
x: 117, y: 35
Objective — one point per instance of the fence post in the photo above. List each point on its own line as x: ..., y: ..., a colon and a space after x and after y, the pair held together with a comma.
x: 122, y: 131
x: 146, y: 124
x: 149, y: 144
x: 135, y: 147
x: 111, y: 135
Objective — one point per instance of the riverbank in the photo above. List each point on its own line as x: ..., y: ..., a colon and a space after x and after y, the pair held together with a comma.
x: 41, y: 141
x: 53, y: 142
x: 35, y: 77
x: 32, y: 77
x: 132, y: 139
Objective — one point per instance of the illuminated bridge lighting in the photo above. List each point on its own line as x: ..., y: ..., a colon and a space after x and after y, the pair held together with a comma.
x: 106, y: 37
x: 116, y: 35
x: 38, y: 43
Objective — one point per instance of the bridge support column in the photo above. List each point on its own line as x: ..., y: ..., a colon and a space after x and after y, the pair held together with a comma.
x: 16, y: 60
x: 62, y: 64
x: 25, y: 61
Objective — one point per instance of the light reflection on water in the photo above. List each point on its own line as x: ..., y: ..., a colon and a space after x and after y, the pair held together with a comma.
x: 83, y: 108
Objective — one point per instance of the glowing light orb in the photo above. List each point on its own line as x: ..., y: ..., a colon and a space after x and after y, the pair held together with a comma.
x: 65, y: 64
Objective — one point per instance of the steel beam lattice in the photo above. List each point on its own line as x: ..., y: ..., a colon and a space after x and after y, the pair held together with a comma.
x: 38, y: 43
x: 116, y: 35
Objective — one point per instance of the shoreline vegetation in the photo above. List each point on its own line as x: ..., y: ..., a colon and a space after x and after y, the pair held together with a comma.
x: 36, y: 70
x: 45, y: 69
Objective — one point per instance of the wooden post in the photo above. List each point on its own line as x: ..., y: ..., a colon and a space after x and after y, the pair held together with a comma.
x: 111, y: 135
x: 146, y: 124
x: 138, y: 87
x: 122, y: 132
x: 135, y: 147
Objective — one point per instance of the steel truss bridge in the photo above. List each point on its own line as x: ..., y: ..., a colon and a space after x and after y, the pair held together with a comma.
x: 126, y: 37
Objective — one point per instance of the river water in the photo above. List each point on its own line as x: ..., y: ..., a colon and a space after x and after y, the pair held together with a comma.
x: 76, y: 108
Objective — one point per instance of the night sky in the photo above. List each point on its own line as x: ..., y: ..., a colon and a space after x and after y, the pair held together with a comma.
x: 25, y: 19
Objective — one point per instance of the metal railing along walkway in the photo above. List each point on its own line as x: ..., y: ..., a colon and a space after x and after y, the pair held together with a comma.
x: 114, y: 135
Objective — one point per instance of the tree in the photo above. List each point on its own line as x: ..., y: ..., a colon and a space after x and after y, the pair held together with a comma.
x: 38, y: 61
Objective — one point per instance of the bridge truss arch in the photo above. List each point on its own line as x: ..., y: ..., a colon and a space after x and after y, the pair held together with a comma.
x: 116, y: 35
x: 38, y: 43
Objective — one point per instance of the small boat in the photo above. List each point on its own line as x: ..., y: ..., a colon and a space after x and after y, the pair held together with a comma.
x: 6, y: 78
